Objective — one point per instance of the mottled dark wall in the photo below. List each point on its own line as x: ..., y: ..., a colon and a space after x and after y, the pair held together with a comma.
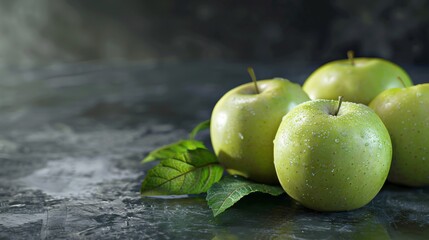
x: 46, y: 32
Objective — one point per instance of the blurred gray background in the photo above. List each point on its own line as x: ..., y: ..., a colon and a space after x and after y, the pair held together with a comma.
x: 47, y: 32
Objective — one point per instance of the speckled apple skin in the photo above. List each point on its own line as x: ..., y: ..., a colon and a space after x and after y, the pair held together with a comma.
x: 405, y: 112
x: 243, y: 126
x: 358, y: 83
x: 332, y: 163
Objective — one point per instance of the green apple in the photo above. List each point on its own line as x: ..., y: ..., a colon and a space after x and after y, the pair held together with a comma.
x: 244, y: 123
x: 331, y: 156
x: 358, y: 80
x: 405, y: 112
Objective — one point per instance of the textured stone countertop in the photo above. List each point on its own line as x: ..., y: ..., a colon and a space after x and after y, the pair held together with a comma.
x: 71, y: 141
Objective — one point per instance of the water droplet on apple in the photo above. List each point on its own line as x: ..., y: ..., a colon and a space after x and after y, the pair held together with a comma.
x: 419, y: 94
x: 241, y: 136
x: 388, y: 105
x: 333, y: 170
x: 337, y: 140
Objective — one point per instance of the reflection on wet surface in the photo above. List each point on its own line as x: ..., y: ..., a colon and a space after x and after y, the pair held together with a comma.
x: 73, y: 136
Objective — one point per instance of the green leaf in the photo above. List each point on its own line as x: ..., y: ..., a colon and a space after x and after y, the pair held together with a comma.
x: 200, y: 127
x: 230, y: 190
x: 192, y: 172
x: 173, y: 149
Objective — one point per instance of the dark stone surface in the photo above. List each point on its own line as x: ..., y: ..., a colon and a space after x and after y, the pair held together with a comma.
x: 72, y: 137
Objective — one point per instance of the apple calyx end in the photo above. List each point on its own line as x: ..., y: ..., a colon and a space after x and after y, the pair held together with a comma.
x: 253, y: 77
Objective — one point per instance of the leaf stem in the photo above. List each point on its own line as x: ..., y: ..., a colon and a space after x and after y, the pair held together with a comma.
x: 200, y: 127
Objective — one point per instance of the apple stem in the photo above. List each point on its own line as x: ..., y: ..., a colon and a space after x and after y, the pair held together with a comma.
x: 351, y: 57
x: 340, y: 101
x: 253, y: 77
x: 402, y: 81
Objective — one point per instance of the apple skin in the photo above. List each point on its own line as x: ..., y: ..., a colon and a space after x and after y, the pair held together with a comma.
x: 328, y: 162
x: 359, y: 83
x: 243, y: 126
x: 405, y: 112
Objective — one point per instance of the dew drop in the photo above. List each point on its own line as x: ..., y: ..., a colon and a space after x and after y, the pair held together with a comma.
x: 241, y: 136
x: 337, y: 140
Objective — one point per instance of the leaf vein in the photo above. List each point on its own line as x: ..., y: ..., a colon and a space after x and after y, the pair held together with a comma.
x: 184, y: 173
